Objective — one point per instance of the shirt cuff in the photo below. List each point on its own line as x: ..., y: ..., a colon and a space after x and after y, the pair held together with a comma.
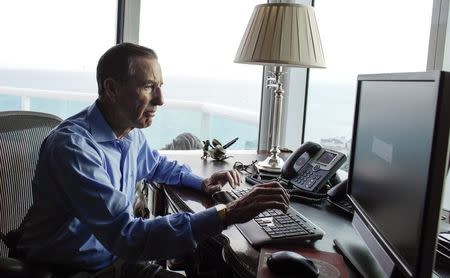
x: 192, y: 180
x: 206, y: 223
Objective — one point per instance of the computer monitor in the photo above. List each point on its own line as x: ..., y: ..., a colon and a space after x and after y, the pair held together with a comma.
x: 398, y: 167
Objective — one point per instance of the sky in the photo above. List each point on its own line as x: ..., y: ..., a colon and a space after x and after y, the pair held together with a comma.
x: 374, y: 36
x: 198, y: 38
x: 72, y: 34
x: 50, y: 34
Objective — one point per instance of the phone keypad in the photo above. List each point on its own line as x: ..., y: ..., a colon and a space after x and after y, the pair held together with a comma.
x: 308, y: 178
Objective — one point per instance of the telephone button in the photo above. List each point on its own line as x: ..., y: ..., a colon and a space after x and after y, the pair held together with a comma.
x: 316, y: 168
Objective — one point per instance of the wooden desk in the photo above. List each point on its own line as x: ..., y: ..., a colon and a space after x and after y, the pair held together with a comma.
x: 237, y: 252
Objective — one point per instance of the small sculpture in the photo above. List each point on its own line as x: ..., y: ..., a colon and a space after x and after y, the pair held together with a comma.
x: 205, y: 149
x: 216, y: 151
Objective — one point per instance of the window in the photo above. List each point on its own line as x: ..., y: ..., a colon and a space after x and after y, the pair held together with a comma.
x: 206, y: 94
x: 49, y: 53
x: 361, y: 37
x: 446, y: 48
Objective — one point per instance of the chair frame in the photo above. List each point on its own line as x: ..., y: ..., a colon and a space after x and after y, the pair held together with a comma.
x: 17, y: 124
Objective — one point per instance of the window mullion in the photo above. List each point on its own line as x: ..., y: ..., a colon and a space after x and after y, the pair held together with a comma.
x: 128, y: 16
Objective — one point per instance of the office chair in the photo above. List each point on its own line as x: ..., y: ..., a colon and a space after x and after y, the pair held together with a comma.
x: 184, y: 141
x: 21, y: 135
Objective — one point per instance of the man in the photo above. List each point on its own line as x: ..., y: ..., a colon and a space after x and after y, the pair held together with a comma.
x: 84, y: 184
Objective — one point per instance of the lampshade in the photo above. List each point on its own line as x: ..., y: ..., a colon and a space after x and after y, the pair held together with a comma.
x: 282, y: 34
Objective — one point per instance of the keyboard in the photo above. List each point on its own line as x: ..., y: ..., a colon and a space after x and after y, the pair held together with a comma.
x: 275, y: 226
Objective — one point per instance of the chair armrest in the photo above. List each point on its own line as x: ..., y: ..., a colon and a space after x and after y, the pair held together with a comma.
x: 14, y: 268
x: 10, y: 267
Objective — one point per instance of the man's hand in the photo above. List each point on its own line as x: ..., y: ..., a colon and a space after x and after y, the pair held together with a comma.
x: 263, y: 196
x: 219, y: 179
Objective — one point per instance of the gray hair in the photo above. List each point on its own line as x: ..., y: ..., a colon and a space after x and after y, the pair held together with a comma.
x: 117, y: 64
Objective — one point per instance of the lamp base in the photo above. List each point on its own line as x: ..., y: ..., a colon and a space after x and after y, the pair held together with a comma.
x: 272, y: 164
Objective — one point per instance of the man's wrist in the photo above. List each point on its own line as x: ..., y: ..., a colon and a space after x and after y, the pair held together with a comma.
x: 205, y: 184
x: 222, y: 211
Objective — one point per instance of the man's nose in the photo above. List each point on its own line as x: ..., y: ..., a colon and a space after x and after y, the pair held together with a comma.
x: 157, y: 97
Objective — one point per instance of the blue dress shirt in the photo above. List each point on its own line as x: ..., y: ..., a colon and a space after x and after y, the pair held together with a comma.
x: 84, y: 188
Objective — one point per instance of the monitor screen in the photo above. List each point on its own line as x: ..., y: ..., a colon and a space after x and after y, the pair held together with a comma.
x: 394, y: 140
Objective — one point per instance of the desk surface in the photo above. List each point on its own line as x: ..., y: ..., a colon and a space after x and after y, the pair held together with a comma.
x: 242, y: 257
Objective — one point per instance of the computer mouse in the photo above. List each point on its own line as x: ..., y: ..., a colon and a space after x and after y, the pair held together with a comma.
x: 291, y: 263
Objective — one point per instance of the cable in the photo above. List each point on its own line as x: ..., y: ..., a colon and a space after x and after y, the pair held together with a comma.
x: 304, y: 199
x: 297, y: 195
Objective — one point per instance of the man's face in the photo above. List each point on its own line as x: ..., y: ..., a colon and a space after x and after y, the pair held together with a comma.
x: 138, y: 98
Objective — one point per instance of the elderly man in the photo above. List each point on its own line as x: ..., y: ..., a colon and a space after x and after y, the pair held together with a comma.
x: 82, y: 218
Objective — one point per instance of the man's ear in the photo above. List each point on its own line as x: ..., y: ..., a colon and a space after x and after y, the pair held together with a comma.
x: 111, y: 88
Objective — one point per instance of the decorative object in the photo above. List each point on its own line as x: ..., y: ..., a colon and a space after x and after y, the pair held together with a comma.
x: 280, y: 34
x: 216, y: 150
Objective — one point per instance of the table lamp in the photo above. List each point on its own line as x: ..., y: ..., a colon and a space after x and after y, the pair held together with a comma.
x: 280, y: 34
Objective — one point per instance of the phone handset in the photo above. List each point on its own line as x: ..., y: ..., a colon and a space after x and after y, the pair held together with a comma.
x: 295, y: 163
x: 298, y: 159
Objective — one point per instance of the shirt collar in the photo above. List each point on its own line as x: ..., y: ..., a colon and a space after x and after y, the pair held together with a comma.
x: 100, y: 129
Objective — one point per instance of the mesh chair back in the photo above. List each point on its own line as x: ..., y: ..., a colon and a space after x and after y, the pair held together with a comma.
x: 21, y: 135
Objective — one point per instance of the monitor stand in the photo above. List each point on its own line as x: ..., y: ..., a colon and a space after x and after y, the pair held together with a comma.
x: 358, y: 255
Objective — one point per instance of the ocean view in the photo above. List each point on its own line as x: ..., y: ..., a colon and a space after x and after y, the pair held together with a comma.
x: 329, y: 113
x: 168, y: 123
